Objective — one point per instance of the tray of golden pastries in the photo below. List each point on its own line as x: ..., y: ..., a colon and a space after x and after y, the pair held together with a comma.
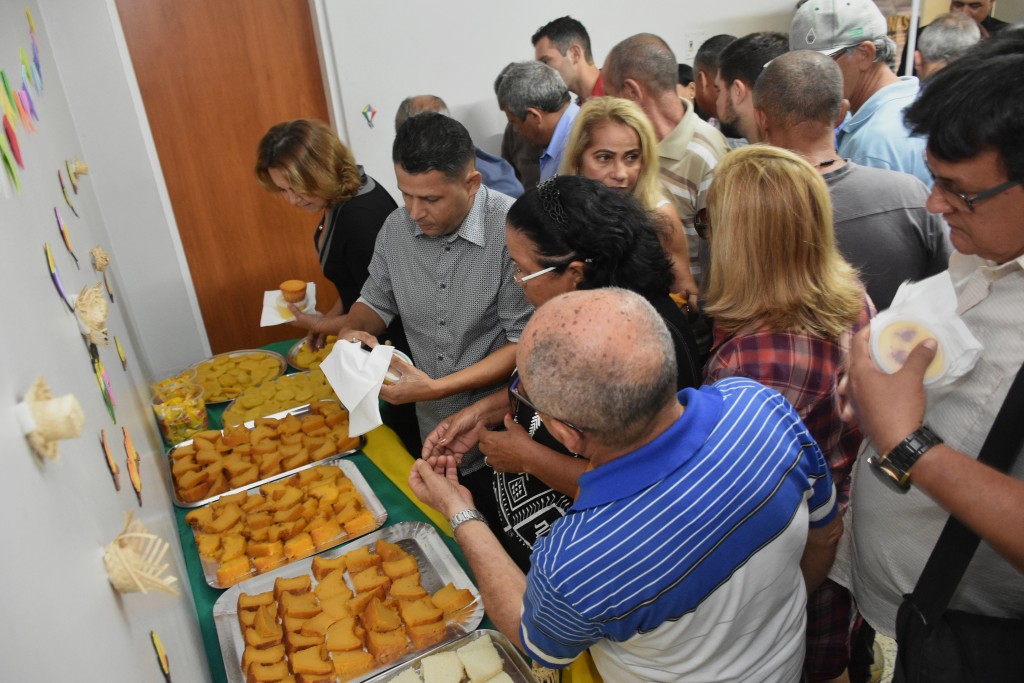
x: 350, y: 613
x: 277, y: 395
x: 216, y: 463
x: 301, y: 357
x: 283, y: 521
x: 225, y: 375
x: 482, y: 656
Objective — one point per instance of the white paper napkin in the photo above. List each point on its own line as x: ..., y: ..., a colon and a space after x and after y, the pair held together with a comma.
x: 356, y: 376
x: 932, y: 303
x: 272, y: 302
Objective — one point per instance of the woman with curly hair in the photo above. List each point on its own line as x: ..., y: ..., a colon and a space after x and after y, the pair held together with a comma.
x: 613, y: 142
x: 568, y: 233
x: 785, y: 306
x: 313, y: 170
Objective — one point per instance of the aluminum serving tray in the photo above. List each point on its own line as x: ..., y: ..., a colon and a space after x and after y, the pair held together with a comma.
x: 370, y: 501
x: 437, y: 567
x: 242, y: 352
x: 512, y: 662
x: 297, y: 412
x: 293, y: 352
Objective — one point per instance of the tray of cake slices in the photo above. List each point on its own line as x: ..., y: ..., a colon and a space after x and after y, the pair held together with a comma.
x: 283, y: 521
x: 483, y: 656
x: 350, y: 613
x: 216, y: 463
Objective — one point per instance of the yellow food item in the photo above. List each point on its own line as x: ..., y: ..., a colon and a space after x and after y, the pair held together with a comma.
x: 278, y: 395
x: 224, y: 376
x: 320, y: 623
x: 293, y: 291
x: 898, y: 339
x: 451, y: 599
x: 233, y: 571
x: 307, y: 359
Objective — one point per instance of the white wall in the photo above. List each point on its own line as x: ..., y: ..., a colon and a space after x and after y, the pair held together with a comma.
x: 61, y: 619
x: 380, y: 53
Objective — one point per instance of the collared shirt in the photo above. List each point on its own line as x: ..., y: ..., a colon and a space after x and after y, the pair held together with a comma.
x: 498, y: 174
x: 806, y: 370
x: 688, y: 155
x: 551, y: 159
x: 877, y: 136
x: 455, y: 295
x: 680, y: 561
x: 890, y: 536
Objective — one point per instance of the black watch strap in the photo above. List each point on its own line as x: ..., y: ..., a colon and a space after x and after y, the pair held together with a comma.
x: 897, y: 462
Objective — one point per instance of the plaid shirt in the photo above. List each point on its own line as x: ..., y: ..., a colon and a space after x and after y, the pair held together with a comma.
x: 806, y: 370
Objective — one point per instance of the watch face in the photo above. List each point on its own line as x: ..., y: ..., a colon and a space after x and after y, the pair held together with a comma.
x: 888, y: 476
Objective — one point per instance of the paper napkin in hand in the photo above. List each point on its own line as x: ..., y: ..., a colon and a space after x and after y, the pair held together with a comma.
x: 275, y: 310
x: 918, y: 311
x: 356, y: 377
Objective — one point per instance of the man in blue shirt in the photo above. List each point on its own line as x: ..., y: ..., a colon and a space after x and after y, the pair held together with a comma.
x: 698, y: 529
x: 854, y: 33
x: 537, y: 103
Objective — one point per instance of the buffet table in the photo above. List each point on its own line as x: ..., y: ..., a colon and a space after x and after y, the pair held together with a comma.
x: 383, y: 461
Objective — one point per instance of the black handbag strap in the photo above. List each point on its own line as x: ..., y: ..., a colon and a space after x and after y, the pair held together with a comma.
x: 956, y: 545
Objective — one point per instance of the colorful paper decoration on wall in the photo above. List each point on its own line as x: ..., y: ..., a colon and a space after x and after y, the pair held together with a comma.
x: 368, y: 113
x: 115, y: 471
x: 133, y: 464
x: 120, y: 353
x: 26, y: 99
x: 161, y: 656
x: 64, y: 191
x: 12, y: 140
x: 103, y: 380
x: 10, y: 178
x: 64, y: 236
x: 55, y: 276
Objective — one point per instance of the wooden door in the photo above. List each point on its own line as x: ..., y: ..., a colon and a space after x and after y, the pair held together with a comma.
x: 214, y: 77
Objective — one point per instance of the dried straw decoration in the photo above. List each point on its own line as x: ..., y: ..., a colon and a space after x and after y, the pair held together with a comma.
x: 134, y: 561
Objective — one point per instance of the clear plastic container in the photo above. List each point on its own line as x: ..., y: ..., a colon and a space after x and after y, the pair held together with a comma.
x: 182, y: 376
x: 181, y: 412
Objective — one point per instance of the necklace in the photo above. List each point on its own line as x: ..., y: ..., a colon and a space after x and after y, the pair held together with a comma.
x: 826, y: 163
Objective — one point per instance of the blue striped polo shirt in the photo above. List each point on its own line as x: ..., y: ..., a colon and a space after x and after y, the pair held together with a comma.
x: 655, y: 533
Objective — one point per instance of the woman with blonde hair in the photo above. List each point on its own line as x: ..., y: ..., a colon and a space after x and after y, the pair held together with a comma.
x: 613, y: 142
x: 785, y: 305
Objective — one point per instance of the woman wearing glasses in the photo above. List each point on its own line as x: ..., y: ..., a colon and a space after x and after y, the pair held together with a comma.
x: 785, y: 306
x: 613, y: 142
x: 569, y: 233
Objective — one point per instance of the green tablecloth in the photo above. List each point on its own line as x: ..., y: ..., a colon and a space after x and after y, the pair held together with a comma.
x: 397, y: 503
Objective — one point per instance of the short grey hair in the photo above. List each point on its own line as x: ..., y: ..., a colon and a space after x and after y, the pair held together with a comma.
x: 948, y: 37
x: 418, y: 104
x: 886, y: 51
x: 522, y: 85
x: 610, y: 390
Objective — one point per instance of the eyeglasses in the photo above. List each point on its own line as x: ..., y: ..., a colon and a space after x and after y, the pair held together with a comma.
x: 516, y: 395
x: 701, y: 224
x: 971, y: 200
x: 519, y: 278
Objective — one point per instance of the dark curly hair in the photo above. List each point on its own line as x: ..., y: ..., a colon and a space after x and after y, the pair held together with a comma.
x: 573, y: 218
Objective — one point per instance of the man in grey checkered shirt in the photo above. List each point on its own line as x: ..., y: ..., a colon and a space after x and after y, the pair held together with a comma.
x: 442, y: 265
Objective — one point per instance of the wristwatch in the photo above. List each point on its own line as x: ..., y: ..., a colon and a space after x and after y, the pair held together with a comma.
x: 460, y: 518
x: 893, y: 467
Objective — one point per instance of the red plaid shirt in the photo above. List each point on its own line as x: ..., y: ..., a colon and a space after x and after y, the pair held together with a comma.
x: 806, y: 370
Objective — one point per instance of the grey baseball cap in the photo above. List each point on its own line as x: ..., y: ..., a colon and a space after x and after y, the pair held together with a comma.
x: 829, y: 26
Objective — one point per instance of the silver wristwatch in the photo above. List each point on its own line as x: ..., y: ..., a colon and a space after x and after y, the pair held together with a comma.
x: 460, y: 518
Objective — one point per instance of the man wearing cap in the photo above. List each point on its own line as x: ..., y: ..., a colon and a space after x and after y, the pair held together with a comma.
x: 853, y: 32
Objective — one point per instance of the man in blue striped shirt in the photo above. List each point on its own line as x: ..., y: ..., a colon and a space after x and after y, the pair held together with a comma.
x: 700, y: 526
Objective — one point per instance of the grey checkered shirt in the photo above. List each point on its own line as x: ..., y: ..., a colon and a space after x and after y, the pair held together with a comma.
x: 455, y: 295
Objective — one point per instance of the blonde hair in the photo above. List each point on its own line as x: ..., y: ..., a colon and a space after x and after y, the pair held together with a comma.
x: 312, y: 159
x: 774, y: 261
x: 615, y: 110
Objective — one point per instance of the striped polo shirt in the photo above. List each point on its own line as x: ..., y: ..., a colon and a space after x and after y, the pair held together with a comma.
x: 681, y: 559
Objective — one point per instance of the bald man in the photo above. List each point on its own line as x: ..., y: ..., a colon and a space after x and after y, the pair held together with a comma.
x: 681, y: 557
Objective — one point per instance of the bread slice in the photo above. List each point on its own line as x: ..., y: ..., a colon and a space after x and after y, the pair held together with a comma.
x: 444, y: 667
x: 480, y: 659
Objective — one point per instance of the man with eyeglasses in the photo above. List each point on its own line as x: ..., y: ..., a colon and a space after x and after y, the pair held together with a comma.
x: 702, y: 521
x: 855, y: 34
x: 925, y: 441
